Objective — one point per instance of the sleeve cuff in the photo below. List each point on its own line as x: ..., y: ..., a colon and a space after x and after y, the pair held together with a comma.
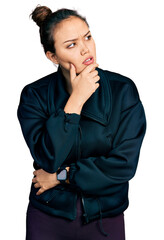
x: 69, y: 117
x: 72, y: 172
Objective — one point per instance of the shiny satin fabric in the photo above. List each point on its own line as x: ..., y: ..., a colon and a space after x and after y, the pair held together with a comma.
x: 101, y: 145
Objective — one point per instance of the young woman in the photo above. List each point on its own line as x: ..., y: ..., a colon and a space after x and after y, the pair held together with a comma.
x: 84, y: 127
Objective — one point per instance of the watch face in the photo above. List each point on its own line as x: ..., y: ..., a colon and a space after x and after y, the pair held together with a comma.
x: 62, y: 175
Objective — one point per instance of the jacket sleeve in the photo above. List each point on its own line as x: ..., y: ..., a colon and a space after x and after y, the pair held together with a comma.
x: 96, y: 175
x: 50, y: 138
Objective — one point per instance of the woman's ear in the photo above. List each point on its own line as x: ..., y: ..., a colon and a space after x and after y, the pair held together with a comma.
x: 52, y: 57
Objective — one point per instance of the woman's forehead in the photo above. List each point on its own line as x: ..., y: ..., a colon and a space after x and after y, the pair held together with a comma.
x: 71, y: 28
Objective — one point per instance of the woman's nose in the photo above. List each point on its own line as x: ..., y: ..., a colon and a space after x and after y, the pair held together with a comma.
x: 84, y: 49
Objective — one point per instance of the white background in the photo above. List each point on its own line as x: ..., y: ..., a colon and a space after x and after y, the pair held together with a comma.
x: 129, y: 38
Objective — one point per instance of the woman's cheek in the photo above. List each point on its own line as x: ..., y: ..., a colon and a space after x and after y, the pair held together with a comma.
x: 66, y: 64
x: 79, y: 67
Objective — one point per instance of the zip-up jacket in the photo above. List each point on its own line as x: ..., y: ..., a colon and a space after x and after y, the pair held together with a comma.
x: 101, y: 145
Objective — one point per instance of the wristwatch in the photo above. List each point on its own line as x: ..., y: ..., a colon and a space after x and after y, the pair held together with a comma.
x: 62, y: 175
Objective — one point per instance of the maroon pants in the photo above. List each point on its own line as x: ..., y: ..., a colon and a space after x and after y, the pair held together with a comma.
x: 42, y: 226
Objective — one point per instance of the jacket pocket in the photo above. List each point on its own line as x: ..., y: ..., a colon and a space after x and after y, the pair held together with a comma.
x: 46, y: 196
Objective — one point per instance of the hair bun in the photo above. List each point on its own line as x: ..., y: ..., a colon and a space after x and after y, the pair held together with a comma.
x: 40, y: 14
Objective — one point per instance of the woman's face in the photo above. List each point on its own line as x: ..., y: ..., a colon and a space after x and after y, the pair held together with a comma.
x: 73, y: 44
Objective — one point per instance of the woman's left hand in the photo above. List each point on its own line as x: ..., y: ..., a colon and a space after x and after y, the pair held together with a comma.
x: 44, y: 180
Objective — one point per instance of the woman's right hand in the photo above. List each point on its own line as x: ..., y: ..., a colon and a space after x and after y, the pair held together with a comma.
x: 84, y: 85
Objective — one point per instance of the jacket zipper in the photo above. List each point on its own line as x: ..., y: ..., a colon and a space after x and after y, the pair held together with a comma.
x: 79, y: 140
x: 85, y: 217
x: 82, y: 197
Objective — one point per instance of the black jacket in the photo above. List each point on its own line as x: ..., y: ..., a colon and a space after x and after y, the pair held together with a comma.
x: 101, y: 145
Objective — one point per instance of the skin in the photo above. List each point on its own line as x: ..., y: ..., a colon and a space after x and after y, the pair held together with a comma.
x: 44, y: 180
x: 72, y: 52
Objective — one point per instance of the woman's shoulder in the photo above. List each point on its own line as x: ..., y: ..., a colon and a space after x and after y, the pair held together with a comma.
x: 37, y: 92
x: 118, y: 81
x: 40, y: 86
x: 121, y: 85
x: 41, y: 82
x: 116, y: 77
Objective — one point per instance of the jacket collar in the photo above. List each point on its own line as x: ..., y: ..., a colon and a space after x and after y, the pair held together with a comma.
x: 97, y: 107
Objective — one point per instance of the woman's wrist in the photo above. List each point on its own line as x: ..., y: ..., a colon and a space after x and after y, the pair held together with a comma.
x: 73, y: 105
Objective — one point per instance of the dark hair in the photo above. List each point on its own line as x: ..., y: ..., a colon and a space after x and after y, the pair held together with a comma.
x: 47, y: 21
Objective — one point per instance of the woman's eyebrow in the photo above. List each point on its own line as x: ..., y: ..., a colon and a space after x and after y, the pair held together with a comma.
x: 75, y: 38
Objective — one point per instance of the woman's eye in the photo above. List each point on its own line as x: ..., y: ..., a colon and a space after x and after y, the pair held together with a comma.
x: 71, y: 45
x: 89, y: 37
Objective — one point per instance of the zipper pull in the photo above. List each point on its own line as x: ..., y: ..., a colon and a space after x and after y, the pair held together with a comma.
x: 84, y: 214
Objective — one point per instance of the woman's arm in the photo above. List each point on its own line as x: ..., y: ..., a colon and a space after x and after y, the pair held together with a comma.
x: 96, y: 175
x: 50, y: 138
x: 45, y: 180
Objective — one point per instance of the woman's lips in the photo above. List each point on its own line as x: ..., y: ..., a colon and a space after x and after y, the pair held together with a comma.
x: 89, y: 61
